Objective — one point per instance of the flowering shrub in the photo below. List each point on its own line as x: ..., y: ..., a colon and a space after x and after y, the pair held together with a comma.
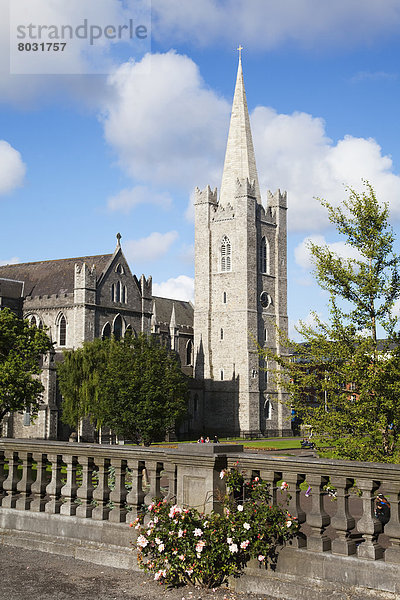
x: 180, y: 545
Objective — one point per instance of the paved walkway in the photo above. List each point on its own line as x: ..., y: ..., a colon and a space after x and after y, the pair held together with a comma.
x: 32, y: 575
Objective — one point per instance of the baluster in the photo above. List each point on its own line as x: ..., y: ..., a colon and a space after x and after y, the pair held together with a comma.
x: 318, y: 519
x: 38, y: 488
x: 343, y: 522
x: 368, y: 526
x: 392, y: 528
x: 119, y: 493
x: 272, y: 477
x: 135, y: 497
x: 2, y: 475
x: 170, y: 473
x: 54, y: 487
x: 102, y: 492
x: 25, y: 483
x: 153, y: 469
x: 294, y: 480
x: 85, y: 491
x: 68, y: 491
x: 10, y: 484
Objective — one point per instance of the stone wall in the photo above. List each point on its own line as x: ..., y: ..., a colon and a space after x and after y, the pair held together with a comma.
x: 342, y: 550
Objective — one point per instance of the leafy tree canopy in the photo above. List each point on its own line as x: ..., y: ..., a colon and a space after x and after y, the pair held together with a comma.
x: 342, y: 380
x: 134, y: 386
x: 21, y: 347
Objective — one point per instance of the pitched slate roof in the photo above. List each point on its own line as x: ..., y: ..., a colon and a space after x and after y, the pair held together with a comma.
x: 183, y: 311
x: 50, y: 277
x: 10, y: 288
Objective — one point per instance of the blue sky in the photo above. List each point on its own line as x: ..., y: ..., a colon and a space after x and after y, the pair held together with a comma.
x: 83, y: 157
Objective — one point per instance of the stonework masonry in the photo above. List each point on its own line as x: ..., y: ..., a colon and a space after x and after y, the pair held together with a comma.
x: 78, y: 300
x: 240, y: 290
x: 240, y: 303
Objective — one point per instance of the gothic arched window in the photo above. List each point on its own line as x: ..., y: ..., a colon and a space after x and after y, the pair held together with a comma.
x: 106, y: 331
x: 189, y: 353
x: 264, y: 256
x: 113, y: 293
x: 62, y: 327
x: 118, y: 292
x: 118, y: 327
x: 226, y: 257
x: 267, y: 409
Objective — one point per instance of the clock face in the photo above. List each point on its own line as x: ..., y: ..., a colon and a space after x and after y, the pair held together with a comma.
x: 265, y: 299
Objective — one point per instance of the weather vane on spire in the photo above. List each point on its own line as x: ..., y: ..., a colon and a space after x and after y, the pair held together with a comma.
x: 240, y: 48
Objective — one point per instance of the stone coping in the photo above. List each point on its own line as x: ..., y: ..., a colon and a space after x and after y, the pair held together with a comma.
x: 209, y: 448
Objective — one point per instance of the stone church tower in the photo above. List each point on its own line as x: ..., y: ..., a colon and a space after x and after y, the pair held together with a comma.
x: 240, y: 290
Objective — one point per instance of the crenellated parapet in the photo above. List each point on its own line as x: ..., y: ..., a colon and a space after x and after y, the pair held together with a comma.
x: 222, y: 213
x: 279, y: 199
x: 206, y: 196
x: 245, y: 188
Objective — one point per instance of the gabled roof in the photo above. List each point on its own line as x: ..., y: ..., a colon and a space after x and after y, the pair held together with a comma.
x: 48, y: 277
x: 10, y: 288
x: 183, y: 311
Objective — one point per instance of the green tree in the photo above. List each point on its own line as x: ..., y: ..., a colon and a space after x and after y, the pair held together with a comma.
x: 342, y: 380
x: 134, y: 386
x: 80, y: 378
x: 21, y: 347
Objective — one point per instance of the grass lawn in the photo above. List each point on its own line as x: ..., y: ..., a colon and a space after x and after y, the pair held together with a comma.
x: 267, y: 443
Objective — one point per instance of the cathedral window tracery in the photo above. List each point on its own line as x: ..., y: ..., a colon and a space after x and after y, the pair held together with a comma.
x: 226, y: 257
x: 264, y: 256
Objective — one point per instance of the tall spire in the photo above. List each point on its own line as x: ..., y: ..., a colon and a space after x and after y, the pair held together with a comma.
x: 240, y: 160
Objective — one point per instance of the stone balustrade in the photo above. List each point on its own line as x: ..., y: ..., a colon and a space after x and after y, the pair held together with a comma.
x: 85, y: 495
x: 106, y: 483
x: 342, y: 523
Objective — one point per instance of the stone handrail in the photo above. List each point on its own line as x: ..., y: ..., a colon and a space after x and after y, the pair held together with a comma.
x: 352, y: 527
x: 58, y: 478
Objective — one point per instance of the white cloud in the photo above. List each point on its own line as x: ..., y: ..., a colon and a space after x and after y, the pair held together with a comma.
x: 302, y: 253
x: 169, y: 129
x: 294, y: 153
x: 179, y: 288
x: 373, y: 76
x: 12, y: 261
x: 12, y: 168
x: 165, y: 125
x: 80, y: 57
x: 186, y: 253
x: 264, y: 24
x: 149, y: 248
x: 127, y: 199
x: 310, y: 321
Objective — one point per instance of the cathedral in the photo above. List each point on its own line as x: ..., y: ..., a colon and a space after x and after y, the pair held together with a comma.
x: 240, y: 303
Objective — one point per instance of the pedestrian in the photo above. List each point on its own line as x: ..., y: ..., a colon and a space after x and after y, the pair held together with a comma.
x: 216, y: 440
